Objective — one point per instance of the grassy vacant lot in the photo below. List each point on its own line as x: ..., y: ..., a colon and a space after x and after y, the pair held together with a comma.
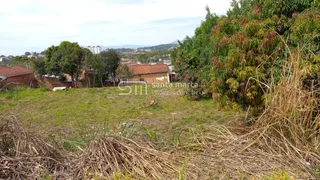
x: 77, y: 116
x: 193, y: 132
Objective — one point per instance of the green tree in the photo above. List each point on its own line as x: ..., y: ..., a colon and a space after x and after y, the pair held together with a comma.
x: 111, y: 60
x: 143, y: 58
x: 27, y: 53
x: 39, y: 66
x: 228, y: 52
x: 52, y: 60
x: 192, y: 57
x: 95, y: 65
x: 66, y: 58
x: 22, y: 61
x: 123, y: 71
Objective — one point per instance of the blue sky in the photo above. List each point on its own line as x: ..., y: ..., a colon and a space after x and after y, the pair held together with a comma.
x: 34, y: 25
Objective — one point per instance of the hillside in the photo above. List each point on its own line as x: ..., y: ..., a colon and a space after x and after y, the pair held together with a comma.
x: 160, y: 47
x: 128, y: 46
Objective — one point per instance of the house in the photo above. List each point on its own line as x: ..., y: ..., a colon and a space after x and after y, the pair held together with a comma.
x: 151, y: 74
x: 17, y: 76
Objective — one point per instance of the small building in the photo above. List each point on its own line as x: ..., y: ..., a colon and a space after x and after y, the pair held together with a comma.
x: 151, y: 74
x: 94, y: 49
x: 17, y: 76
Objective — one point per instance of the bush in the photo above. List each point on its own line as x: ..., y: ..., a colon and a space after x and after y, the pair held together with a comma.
x: 237, y: 56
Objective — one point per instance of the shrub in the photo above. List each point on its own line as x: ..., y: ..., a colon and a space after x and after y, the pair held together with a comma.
x: 237, y: 55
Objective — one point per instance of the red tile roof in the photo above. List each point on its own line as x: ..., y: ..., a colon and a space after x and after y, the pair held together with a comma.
x: 14, y: 71
x: 140, y: 69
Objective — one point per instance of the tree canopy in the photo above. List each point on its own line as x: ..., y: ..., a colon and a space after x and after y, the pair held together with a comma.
x: 66, y: 58
x: 251, y: 42
x: 69, y: 58
x: 123, y: 71
x: 111, y: 60
x: 27, y: 53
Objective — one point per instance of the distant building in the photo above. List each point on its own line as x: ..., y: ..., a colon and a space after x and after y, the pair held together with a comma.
x: 151, y: 74
x: 98, y: 49
x: 167, y: 62
x: 94, y: 49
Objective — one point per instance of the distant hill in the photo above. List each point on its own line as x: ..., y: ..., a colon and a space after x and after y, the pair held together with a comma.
x: 161, y: 47
x: 132, y: 46
x: 128, y: 46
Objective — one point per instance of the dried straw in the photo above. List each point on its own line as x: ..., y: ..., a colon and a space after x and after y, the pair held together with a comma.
x: 108, y: 155
x: 24, y: 156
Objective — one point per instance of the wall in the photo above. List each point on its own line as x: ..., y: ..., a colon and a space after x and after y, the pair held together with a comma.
x: 23, y: 80
x: 54, y: 82
x: 153, y: 78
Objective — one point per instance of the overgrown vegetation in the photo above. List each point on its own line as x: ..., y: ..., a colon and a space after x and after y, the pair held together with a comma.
x: 263, y: 54
x: 233, y: 57
x: 95, y: 121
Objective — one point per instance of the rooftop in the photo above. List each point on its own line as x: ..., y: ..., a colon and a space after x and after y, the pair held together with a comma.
x: 14, y: 71
x: 140, y: 69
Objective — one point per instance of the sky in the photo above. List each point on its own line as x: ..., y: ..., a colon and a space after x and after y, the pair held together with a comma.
x: 34, y: 25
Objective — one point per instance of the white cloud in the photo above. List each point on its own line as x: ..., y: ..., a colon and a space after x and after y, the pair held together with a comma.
x: 36, y: 24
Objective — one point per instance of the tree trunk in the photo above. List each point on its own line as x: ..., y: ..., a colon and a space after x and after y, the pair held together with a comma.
x: 76, y: 79
x: 101, y: 77
x: 72, y: 81
x: 94, y: 78
x: 86, y: 77
x: 75, y: 82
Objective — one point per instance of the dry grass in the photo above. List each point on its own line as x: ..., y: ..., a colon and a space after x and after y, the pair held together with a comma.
x: 286, y: 135
x: 108, y: 155
x: 227, y: 156
x: 24, y: 156
x: 289, y: 126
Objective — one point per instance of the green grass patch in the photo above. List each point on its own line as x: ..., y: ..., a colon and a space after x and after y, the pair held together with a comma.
x: 76, y: 116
